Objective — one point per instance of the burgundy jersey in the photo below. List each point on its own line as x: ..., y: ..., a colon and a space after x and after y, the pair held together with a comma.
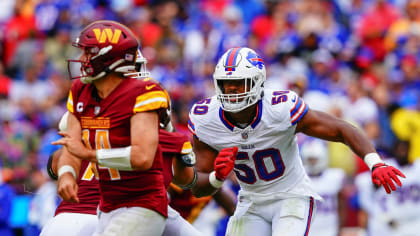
x: 172, y: 144
x: 106, y: 124
x: 88, y: 193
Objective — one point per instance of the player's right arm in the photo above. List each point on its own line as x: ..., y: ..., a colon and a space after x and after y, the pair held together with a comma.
x: 213, y: 168
x: 205, y: 156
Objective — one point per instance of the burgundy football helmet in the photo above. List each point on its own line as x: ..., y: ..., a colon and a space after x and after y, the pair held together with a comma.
x: 138, y: 71
x: 108, y: 46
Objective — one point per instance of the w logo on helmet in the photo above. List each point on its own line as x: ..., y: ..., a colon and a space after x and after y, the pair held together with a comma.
x: 107, y: 33
x: 255, y: 60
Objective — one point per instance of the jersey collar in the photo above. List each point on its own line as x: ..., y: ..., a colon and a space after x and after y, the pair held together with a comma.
x: 253, y: 124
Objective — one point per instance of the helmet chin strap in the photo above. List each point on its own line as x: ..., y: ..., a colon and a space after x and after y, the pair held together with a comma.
x: 89, y: 79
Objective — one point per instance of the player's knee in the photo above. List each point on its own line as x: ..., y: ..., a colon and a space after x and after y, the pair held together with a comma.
x: 290, y: 226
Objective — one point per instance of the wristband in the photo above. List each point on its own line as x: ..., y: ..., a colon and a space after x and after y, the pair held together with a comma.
x: 372, y: 159
x: 66, y: 168
x: 50, y: 170
x: 117, y: 158
x: 214, y: 181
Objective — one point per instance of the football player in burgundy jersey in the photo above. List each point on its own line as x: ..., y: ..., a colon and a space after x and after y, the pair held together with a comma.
x: 117, y: 118
x: 79, y: 219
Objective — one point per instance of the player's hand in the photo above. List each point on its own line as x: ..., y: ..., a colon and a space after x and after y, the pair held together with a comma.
x: 75, y: 146
x: 224, y: 162
x: 385, y: 175
x: 67, y: 188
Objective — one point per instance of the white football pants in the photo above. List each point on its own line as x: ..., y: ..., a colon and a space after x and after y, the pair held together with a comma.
x: 178, y: 226
x: 289, y: 216
x: 130, y: 221
x: 70, y: 224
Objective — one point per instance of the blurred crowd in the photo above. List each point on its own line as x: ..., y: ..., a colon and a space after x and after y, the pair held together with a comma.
x: 355, y: 59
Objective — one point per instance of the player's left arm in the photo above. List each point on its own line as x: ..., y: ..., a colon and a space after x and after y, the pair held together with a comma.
x: 185, y: 176
x: 144, y: 139
x: 184, y: 173
x: 322, y: 125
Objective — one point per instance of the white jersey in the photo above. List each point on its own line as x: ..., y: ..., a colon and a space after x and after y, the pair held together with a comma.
x: 397, y: 213
x: 268, y: 159
x: 328, y: 185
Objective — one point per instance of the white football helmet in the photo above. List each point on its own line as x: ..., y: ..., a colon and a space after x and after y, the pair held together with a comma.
x: 314, y: 156
x: 240, y: 63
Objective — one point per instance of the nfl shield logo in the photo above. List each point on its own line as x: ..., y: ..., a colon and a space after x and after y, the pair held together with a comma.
x: 97, y: 110
x: 244, y: 135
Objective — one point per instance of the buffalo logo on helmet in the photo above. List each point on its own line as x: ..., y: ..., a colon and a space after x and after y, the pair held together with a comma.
x: 255, y: 60
x: 103, y: 35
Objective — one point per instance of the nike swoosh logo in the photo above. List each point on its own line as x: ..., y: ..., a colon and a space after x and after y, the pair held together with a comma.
x: 148, y: 87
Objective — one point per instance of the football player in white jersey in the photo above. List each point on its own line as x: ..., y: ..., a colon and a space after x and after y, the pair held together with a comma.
x: 398, y: 214
x: 328, y: 182
x: 251, y: 130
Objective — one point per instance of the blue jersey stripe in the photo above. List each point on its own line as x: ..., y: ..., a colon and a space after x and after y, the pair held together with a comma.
x: 296, y: 108
x: 258, y: 116
x: 224, y: 121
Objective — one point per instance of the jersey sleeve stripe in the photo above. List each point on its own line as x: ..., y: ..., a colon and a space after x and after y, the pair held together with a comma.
x: 149, y: 95
x: 186, y: 148
x: 70, y: 103
x: 151, y: 104
x: 151, y: 101
x: 296, y: 107
x: 299, y: 111
x: 300, y: 114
